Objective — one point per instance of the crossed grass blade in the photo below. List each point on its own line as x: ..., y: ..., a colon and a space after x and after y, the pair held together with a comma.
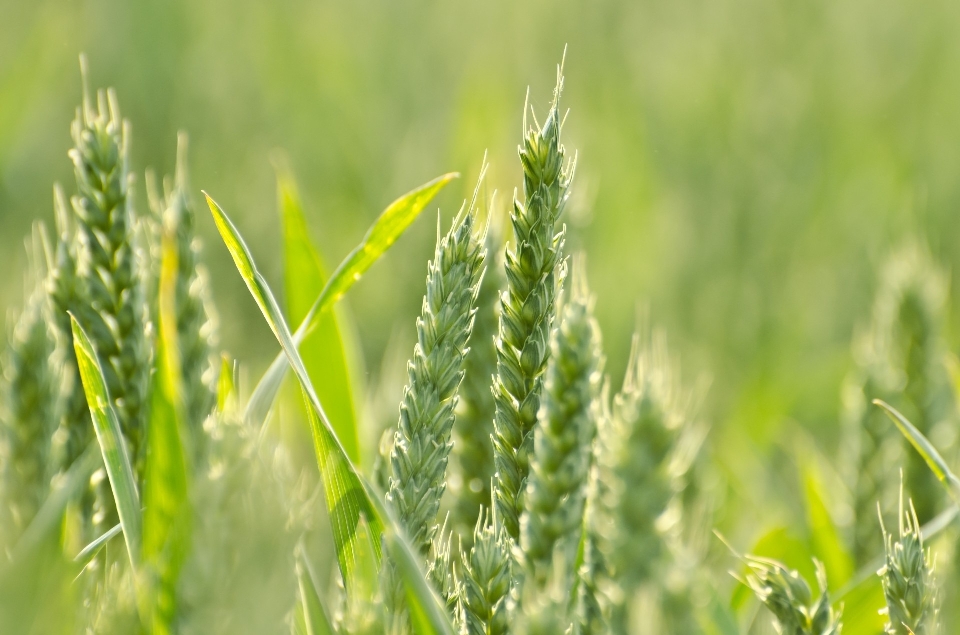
x: 379, y: 238
x: 345, y: 495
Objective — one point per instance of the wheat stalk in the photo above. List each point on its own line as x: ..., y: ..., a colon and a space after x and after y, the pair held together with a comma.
x: 534, y: 273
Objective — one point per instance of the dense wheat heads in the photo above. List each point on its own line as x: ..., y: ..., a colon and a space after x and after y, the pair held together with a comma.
x: 28, y: 396
x: 113, y: 308
x: 787, y: 595
x: 556, y: 489
x: 487, y: 579
x: 196, y: 321
x: 533, y: 270
x: 907, y: 576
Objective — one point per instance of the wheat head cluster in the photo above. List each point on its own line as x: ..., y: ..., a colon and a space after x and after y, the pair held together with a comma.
x: 517, y: 489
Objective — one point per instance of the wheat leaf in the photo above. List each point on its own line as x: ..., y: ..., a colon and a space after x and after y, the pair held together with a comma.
x: 929, y: 453
x: 345, y: 495
x: 323, y: 351
x: 115, y: 457
x: 166, y: 516
x: 378, y: 239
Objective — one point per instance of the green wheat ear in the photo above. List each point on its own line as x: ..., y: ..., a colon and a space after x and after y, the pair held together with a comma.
x: 28, y: 399
x: 909, y: 587
x: 112, y: 309
x: 487, y: 579
x: 534, y: 273
x: 196, y: 315
x: 787, y: 595
x: 556, y: 489
x: 474, y: 426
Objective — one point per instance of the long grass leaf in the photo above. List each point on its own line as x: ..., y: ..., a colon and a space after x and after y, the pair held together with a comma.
x: 378, y: 239
x: 345, y: 495
x: 922, y: 445
x: 107, y: 426
x: 314, y: 615
x: 87, y: 552
x: 323, y: 351
x: 166, y: 516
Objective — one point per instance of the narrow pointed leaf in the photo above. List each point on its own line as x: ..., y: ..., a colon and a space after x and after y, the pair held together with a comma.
x: 87, y: 552
x: 166, y: 516
x: 345, y: 495
x: 323, y: 351
x: 929, y: 453
x: 824, y: 536
x: 378, y: 239
x: 112, y: 446
x: 314, y: 615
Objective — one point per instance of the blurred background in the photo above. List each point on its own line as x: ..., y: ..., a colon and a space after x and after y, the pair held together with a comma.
x: 745, y: 166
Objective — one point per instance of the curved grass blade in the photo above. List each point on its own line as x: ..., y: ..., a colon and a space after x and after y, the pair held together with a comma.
x: 345, y: 495
x: 87, y: 552
x: 427, y: 612
x: 166, y: 516
x: 378, y: 239
x: 115, y: 457
x: 315, y: 617
x: 929, y: 453
x: 323, y: 351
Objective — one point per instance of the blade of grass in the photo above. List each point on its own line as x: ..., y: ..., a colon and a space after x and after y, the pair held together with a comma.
x: 323, y: 351
x: 314, y: 615
x: 166, y: 517
x: 824, y: 536
x: 115, y: 457
x: 345, y: 495
x: 427, y: 612
x: 87, y: 552
x: 929, y: 453
x: 379, y: 238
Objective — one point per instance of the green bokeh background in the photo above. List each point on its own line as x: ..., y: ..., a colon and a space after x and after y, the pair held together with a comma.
x: 745, y: 165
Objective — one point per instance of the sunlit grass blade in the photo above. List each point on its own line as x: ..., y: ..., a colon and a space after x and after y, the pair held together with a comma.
x: 929, y: 453
x: 323, y: 351
x: 315, y: 617
x: 166, y: 516
x: 51, y: 512
x: 345, y: 495
x: 427, y: 611
x: 87, y: 553
x: 226, y: 385
x: 825, y: 539
x: 378, y: 239
x: 107, y: 426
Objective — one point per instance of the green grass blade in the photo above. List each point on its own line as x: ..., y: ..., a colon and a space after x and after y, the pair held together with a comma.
x: 825, y: 538
x: 314, y: 615
x: 929, y: 453
x: 226, y: 385
x: 345, y: 495
x: 115, y: 457
x: 166, y: 516
x: 427, y: 611
x: 323, y: 351
x: 87, y: 552
x: 378, y: 239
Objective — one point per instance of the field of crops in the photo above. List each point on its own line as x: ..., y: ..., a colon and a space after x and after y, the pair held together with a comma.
x: 675, y: 355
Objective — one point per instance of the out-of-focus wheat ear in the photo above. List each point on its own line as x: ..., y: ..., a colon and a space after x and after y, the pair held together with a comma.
x: 550, y: 527
x: 788, y: 597
x: 534, y: 272
x: 909, y: 586
x: 474, y: 425
x: 28, y: 401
